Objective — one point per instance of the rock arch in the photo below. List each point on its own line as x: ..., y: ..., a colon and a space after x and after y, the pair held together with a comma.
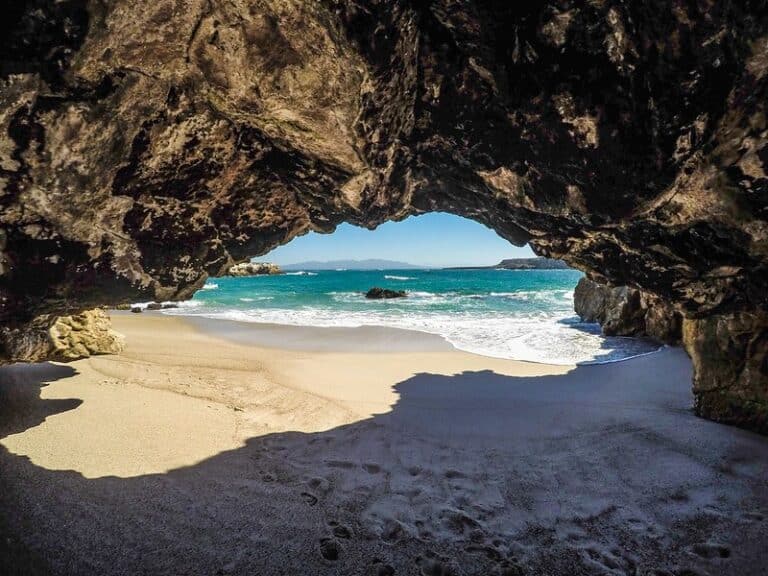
x: 143, y: 147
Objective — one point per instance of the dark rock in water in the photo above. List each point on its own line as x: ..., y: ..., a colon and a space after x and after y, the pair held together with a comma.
x: 136, y: 310
x: 194, y: 151
x: 377, y: 293
x: 161, y: 306
x: 624, y: 311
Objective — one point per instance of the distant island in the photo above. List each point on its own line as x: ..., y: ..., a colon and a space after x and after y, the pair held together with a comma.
x: 538, y: 263
x: 369, y: 264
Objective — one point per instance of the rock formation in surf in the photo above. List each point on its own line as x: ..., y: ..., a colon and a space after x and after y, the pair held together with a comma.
x: 377, y: 293
x: 623, y: 311
x: 144, y: 147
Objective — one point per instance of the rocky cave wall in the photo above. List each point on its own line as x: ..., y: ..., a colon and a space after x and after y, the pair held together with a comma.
x: 144, y: 146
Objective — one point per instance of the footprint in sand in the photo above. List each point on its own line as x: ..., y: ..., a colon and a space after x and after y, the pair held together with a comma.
x: 414, y: 470
x: 605, y: 559
x: 507, y: 568
x: 457, y: 521
x: 679, y: 495
x: 382, y: 569
x: 310, y: 499
x: 709, y: 550
x: 423, y: 532
x: 435, y: 568
x: 321, y: 485
x: 340, y: 531
x: 391, y: 530
x: 488, y: 551
x: 372, y: 468
x: 329, y: 549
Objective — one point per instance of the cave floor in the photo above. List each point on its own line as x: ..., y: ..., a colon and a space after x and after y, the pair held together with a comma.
x: 193, y: 454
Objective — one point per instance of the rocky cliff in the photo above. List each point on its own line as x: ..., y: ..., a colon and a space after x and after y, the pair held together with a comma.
x: 144, y: 147
x: 623, y: 311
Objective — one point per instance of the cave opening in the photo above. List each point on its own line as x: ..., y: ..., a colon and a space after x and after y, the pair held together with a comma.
x: 438, y: 276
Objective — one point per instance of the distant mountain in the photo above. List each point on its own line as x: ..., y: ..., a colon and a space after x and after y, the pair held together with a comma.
x: 521, y: 264
x: 370, y: 264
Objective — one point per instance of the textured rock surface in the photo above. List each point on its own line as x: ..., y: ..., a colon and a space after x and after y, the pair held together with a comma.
x: 146, y: 146
x: 62, y: 338
x: 254, y: 269
x: 730, y: 363
x: 623, y: 311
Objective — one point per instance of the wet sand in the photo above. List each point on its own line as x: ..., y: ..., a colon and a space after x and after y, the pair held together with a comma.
x: 218, y: 448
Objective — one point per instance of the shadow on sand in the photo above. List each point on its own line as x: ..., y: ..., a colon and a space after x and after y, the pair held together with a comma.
x: 476, y: 473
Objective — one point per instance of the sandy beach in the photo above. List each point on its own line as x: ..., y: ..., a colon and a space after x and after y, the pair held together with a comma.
x: 219, y: 448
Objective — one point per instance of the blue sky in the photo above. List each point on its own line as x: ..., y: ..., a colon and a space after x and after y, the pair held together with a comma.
x: 431, y: 240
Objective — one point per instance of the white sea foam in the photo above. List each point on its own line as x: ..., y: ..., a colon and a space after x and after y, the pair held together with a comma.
x: 210, y: 286
x: 184, y: 304
x: 301, y: 273
x: 393, y: 277
x: 536, y: 337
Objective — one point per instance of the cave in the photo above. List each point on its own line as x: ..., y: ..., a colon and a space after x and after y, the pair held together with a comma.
x: 146, y: 148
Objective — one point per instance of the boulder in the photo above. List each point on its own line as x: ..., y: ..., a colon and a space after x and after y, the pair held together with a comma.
x: 62, y: 338
x: 730, y: 367
x: 625, y: 311
x: 377, y: 293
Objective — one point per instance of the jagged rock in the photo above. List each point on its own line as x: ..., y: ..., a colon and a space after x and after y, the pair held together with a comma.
x: 624, y: 311
x: 377, y: 293
x: 63, y: 338
x: 730, y: 363
x: 154, y: 306
x: 254, y: 269
x: 136, y: 309
x: 626, y: 138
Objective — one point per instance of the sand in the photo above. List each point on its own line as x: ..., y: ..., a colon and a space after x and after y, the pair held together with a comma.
x: 222, y: 448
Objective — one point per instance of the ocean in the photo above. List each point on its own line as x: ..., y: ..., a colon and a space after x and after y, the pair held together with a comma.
x: 515, y: 314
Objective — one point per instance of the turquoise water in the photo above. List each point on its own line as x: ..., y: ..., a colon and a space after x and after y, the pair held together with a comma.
x: 518, y: 314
